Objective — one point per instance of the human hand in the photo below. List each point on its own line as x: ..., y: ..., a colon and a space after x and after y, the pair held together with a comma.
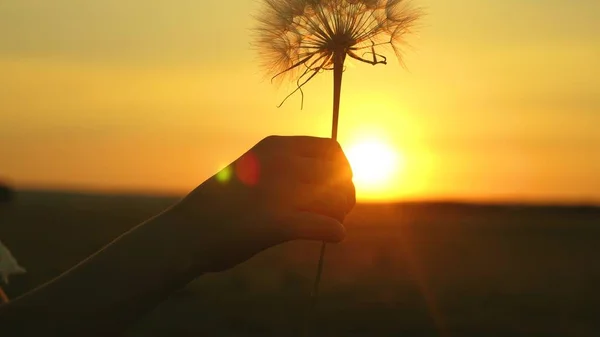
x: 284, y: 188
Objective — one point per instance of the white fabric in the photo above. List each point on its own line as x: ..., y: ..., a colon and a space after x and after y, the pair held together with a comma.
x: 8, y: 264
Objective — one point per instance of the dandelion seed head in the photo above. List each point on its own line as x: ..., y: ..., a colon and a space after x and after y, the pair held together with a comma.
x: 298, y: 38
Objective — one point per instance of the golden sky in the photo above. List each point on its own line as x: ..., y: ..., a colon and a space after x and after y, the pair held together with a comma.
x: 501, y: 99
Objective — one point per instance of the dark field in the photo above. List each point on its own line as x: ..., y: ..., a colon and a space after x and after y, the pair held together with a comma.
x: 404, y: 270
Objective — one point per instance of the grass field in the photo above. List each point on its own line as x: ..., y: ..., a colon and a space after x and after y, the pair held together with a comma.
x: 404, y: 270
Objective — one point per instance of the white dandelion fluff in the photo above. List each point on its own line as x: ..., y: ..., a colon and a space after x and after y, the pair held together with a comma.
x: 298, y: 39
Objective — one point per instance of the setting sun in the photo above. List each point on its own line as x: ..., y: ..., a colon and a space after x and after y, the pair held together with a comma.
x: 375, y: 164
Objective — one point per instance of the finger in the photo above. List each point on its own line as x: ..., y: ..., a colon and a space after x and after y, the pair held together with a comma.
x: 321, y: 199
x: 312, y: 226
x: 340, y: 158
x: 305, y: 146
x: 350, y: 191
x: 313, y: 170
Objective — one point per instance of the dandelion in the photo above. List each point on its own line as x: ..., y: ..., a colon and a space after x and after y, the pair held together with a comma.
x: 298, y: 39
x: 8, y: 266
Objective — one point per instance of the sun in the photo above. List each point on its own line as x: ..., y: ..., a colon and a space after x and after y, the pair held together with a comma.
x: 375, y: 165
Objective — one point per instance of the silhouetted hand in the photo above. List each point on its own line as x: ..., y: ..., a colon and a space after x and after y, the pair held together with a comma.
x: 284, y: 188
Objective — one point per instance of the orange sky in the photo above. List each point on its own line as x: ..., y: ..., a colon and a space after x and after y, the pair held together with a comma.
x: 501, y: 98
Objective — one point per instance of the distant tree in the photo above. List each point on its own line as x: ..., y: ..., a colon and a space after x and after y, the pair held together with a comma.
x: 7, y: 194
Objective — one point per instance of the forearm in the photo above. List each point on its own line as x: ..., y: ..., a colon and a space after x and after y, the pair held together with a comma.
x: 107, y: 292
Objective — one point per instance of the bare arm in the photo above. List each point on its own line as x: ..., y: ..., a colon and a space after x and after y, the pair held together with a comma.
x: 284, y: 188
x: 108, y: 291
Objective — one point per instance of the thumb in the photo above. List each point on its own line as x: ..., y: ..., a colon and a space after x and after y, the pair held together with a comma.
x: 312, y: 226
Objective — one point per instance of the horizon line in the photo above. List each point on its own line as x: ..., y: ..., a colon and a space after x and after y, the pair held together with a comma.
x: 432, y: 200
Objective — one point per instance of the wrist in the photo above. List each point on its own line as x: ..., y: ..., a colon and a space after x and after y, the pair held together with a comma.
x: 172, y: 237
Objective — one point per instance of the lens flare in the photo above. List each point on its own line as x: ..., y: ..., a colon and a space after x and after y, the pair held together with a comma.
x: 247, y: 169
x: 224, y: 175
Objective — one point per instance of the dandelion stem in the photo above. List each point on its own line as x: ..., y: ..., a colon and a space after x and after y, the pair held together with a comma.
x: 338, y: 67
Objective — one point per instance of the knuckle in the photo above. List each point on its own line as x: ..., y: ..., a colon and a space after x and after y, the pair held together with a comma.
x: 339, y: 205
x: 268, y: 141
x: 347, y: 169
x: 330, y: 148
x: 336, y: 147
x: 351, y: 196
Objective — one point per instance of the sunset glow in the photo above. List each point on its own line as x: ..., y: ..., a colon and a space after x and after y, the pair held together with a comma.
x: 153, y: 96
x: 374, y: 164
